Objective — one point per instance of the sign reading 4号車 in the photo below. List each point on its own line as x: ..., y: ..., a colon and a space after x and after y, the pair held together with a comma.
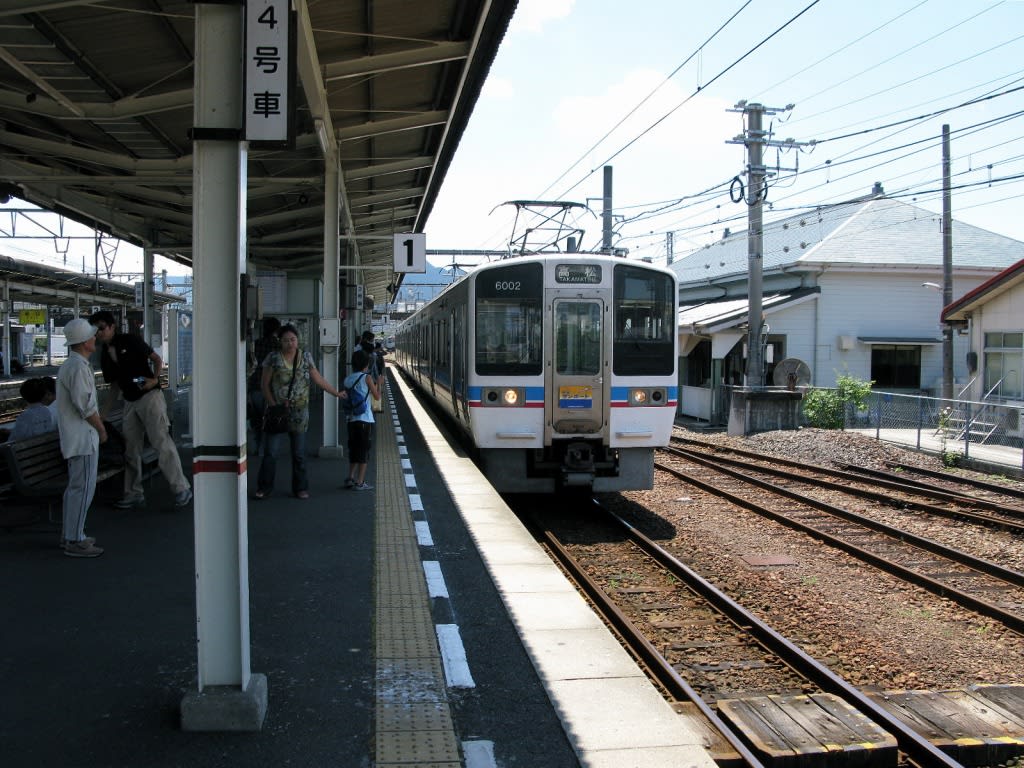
x: 269, y: 63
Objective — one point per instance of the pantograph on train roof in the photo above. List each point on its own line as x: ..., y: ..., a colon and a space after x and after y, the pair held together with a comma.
x: 554, y: 228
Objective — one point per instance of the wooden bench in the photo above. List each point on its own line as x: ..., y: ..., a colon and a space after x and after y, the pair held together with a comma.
x: 39, y: 472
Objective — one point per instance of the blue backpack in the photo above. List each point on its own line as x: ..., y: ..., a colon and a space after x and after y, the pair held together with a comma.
x: 355, y: 403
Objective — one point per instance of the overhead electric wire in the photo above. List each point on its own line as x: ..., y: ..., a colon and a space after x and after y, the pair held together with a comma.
x: 664, y: 117
x: 644, y: 100
x: 1017, y: 78
x: 695, y: 201
x: 678, y: 204
x: 848, y: 45
x: 918, y: 118
x: 896, y: 56
x: 888, y: 89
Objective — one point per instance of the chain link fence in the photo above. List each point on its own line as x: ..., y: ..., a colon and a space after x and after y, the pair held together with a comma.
x: 983, y: 431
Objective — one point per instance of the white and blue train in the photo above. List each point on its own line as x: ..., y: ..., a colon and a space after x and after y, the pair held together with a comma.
x: 560, y: 367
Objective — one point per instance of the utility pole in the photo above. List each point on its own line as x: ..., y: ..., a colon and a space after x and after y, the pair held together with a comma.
x: 947, y: 268
x: 756, y: 139
x: 606, y: 234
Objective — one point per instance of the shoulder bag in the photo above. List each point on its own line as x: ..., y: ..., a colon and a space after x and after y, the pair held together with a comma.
x: 275, y: 418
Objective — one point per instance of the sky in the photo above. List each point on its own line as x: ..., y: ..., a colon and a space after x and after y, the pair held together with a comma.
x: 651, y: 88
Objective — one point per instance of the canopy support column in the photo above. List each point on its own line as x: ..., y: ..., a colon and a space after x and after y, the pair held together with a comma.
x: 230, y: 697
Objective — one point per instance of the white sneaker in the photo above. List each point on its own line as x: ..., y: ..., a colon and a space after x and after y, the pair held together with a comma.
x: 82, y: 549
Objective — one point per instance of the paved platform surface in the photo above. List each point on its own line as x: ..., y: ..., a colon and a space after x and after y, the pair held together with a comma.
x: 360, y: 603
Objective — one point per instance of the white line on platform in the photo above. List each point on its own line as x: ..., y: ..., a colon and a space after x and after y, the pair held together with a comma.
x: 423, y: 536
x: 435, y: 580
x: 479, y: 754
x: 453, y: 654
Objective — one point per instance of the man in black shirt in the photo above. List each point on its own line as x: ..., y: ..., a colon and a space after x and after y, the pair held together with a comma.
x: 132, y: 368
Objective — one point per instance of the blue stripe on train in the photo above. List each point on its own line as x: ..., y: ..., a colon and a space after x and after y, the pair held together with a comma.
x: 535, y: 396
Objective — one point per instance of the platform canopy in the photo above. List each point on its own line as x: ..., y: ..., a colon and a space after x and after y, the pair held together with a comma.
x: 30, y: 283
x: 97, y: 114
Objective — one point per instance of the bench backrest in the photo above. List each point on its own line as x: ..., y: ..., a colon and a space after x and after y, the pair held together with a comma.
x: 35, y: 463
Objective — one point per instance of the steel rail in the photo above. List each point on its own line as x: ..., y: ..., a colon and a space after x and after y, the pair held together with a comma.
x: 984, y: 484
x: 665, y: 673
x: 1011, y: 620
x: 948, y: 497
x: 963, y: 558
x: 924, y: 486
x: 918, y: 748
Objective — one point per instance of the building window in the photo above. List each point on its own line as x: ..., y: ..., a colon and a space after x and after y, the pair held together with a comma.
x: 895, y: 366
x: 1004, y: 355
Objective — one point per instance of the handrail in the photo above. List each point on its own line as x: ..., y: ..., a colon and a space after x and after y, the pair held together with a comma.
x: 994, y: 388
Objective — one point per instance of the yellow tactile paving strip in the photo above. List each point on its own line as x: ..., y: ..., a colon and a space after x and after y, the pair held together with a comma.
x: 413, y: 720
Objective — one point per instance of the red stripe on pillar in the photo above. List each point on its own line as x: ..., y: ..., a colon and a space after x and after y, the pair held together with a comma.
x: 223, y: 467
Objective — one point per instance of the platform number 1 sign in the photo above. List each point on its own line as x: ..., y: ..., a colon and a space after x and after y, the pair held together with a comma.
x: 411, y: 252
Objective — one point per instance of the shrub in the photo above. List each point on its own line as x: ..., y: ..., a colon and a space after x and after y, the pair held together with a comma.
x: 826, y: 408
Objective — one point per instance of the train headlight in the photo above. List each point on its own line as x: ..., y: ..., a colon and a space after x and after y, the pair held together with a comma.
x: 503, y: 397
x: 647, y: 396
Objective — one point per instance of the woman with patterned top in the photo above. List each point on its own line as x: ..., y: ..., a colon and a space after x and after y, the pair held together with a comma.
x: 287, y: 376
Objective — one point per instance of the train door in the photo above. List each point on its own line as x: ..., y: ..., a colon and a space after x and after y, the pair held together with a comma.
x: 578, y: 386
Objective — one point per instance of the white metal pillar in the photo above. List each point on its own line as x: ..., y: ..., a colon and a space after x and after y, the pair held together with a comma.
x: 332, y: 246
x: 229, y: 696
x: 5, y: 325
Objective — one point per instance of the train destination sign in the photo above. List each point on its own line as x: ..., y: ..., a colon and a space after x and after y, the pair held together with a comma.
x: 587, y: 274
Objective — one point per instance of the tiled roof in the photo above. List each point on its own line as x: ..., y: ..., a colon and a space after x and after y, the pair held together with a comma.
x: 869, y: 231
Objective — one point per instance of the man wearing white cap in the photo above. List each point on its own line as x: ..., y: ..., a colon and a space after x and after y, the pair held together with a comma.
x: 81, y: 432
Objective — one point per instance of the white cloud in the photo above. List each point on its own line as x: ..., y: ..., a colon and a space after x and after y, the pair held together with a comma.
x: 532, y: 15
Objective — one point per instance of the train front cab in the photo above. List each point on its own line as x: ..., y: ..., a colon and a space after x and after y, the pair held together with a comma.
x: 588, y: 420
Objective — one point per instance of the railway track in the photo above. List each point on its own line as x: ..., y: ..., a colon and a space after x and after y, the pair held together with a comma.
x: 986, y: 490
x: 705, y: 648
x: 952, y: 499
x: 980, y: 585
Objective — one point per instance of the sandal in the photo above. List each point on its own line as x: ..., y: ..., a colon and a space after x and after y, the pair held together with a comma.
x: 302, y: 494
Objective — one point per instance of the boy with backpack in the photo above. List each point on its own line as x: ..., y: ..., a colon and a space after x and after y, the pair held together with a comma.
x: 359, y: 387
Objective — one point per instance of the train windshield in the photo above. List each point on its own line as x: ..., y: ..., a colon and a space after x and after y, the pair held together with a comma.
x: 509, y: 323
x: 644, y: 321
